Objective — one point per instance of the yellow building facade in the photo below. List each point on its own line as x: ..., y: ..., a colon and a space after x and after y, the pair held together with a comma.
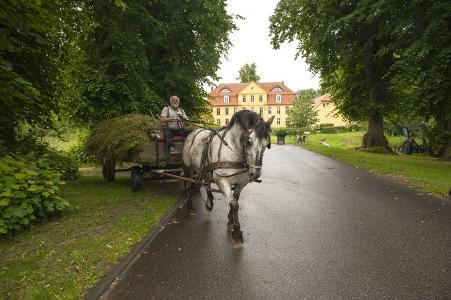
x: 265, y: 98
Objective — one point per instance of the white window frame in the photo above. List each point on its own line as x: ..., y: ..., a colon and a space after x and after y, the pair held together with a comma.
x: 287, y: 109
x: 278, y: 98
x: 218, y: 121
x: 243, y: 98
x: 278, y: 121
x: 261, y: 111
x: 269, y: 110
x: 235, y: 109
x: 218, y: 111
x: 276, y: 89
x: 226, y: 122
x: 278, y: 110
x: 225, y: 90
x: 226, y: 99
x: 226, y: 111
x: 260, y: 98
x: 252, y: 98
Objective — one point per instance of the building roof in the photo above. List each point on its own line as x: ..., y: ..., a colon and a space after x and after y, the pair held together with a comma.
x: 236, y: 88
x: 322, y: 99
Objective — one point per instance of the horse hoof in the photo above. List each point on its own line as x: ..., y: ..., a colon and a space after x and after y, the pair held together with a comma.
x: 237, y: 236
x: 209, y: 208
x: 230, y: 227
x: 191, y: 212
x: 237, y: 243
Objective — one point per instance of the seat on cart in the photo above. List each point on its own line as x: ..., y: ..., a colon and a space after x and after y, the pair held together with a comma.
x: 177, y: 138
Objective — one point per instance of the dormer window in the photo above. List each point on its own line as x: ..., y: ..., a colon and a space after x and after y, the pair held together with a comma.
x: 225, y: 90
x: 278, y: 98
x: 276, y: 89
x: 226, y: 99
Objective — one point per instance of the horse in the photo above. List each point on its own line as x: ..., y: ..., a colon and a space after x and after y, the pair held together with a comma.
x: 230, y: 157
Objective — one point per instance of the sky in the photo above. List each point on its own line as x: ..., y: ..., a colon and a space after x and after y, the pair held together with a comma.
x: 252, y: 44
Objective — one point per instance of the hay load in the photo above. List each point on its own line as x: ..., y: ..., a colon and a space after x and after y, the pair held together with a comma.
x: 116, y: 139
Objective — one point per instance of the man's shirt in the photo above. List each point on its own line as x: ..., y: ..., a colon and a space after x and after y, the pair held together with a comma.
x: 170, y: 112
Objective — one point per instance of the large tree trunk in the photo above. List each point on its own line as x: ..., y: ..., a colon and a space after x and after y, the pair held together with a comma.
x: 447, y: 153
x: 375, y: 134
x: 108, y: 170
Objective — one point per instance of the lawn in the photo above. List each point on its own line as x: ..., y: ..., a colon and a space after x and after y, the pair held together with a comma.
x: 64, y: 256
x: 420, y: 171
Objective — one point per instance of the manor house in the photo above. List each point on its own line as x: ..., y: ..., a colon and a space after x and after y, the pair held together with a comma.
x: 265, y: 98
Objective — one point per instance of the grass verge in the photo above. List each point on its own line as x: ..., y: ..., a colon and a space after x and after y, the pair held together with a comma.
x: 64, y: 256
x: 420, y: 171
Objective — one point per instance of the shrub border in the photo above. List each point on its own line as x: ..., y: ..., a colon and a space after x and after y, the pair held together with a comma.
x: 104, y: 285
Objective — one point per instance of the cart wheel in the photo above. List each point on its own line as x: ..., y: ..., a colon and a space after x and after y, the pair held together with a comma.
x: 137, y: 178
x: 108, y: 170
x: 407, y: 148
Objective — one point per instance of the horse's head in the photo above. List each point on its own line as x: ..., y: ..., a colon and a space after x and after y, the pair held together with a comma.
x: 256, y: 141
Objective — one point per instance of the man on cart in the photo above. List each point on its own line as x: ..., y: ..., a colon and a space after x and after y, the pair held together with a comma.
x: 173, y: 116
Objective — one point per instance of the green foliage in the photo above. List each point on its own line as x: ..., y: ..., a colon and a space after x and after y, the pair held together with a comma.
x: 47, y: 158
x: 80, y: 151
x: 326, y: 125
x: 117, y: 138
x: 134, y: 58
x: 303, y: 114
x: 280, y: 132
x: 248, y: 73
x: 27, y: 68
x: 28, y: 192
x: 328, y: 130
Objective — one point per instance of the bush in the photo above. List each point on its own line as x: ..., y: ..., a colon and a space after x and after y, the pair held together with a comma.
x: 341, y: 128
x: 48, y: 158
x: 280, y: 132
x: 80, y: 152
x: 28, y: 192
x: 322, y: 125
x: 328, y: 130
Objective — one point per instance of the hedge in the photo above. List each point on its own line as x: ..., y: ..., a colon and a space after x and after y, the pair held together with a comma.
x: 28, y: 192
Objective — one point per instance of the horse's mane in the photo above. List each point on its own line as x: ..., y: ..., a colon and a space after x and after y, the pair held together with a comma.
x: 250, y: 120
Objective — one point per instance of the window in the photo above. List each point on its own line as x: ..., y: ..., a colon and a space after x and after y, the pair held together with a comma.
x: 218, y: 111
x: 261, y: 111
x: 278, y: 121
x: 226, y: 99
x: 324, y: 104
x: 218, y: 121
x: 278, y: 98
x: 278, y: 110
x: 269, y: 110
x: 260, y: 98
x: 235, y: 109
x: 227, y: 122
x: 287, y: 110
x: 252, y: 98
x: 225, y: 90
x: 244, y: 98
x: 226, y: 111
x: 276, y: 89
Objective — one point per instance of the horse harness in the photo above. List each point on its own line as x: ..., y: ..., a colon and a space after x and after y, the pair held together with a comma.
x: 207, y: 167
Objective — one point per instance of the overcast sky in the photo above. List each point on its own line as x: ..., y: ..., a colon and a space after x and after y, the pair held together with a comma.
x: 252, y: 44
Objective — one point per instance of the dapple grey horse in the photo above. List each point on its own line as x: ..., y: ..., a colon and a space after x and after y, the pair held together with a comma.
x: 230, y: 157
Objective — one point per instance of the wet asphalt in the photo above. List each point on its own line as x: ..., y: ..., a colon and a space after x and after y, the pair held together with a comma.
x: 313, y: 229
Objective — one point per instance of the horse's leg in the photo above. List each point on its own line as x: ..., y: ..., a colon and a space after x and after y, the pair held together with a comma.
x: 225, y: 187
x: 209, y: 203
x: 236, y: 195
x: 190, y: 189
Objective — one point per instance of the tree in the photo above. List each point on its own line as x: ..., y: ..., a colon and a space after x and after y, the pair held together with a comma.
x: 248, y: 73
x: 137, y: 56
x: 303, y: 114
x: 423, y: 70
x: 33, y: 39
x: 351, y: 45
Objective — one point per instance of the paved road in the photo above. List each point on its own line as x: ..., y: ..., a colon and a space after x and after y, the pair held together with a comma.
x: 314, y: 229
